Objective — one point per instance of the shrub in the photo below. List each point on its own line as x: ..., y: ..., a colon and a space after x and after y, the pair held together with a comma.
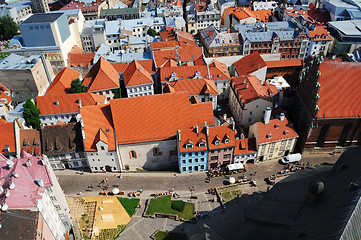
x: 178, y: 205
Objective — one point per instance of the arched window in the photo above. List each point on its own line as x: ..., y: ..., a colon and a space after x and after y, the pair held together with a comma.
x: 155, y: 151
x: 132, y: 154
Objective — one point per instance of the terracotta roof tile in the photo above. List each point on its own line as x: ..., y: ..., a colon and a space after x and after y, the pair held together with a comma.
x: 320, y: 32
x: 7, y: 137
x: 340, y: 90
x: 129, y: 116
x: 62, y: 81
x: 68, y: 103
x: 77, y: 57
x: 219, y: 133
x: 99, y: 128
x: 284, y: 63
x: 190, y: 134
x: 255, y: 89
x: 135, y: 74
x: 30, y: 141
x: 218, y: 70
x: 148, y: 64
x: 102, y: 76
x: 186, y: 54
x: 243, y: 13
x: 243, y: 146
x: 276, y: 134
x: 120, y: 67
x: 249, y: 64
x: 5, y: 95
x: 76, y: 50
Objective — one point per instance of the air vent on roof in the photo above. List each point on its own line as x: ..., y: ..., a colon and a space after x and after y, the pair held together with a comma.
x: 56, y: 102
x: 4, y: 207
x: 7, y: 193
x: 316, y: 188
x: 107, y: 130
x: 10, y: 163
x: 15, y: 174
x: 40, y: 182
x: 269, y: 135
x: 12, y: 185
x: 28, y: 163
x: 277, y: 126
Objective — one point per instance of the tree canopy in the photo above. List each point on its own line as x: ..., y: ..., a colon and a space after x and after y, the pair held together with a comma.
x: 151, y: 32
x: 31, y: 114
x: 77, y: 87
x: 8, y: 28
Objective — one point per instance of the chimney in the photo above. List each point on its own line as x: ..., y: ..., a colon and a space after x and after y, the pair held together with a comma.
x: 56, y: 102
x: 244, y: 80
x: 79, y: 102
x: 40, y: 182
x: 267, y: 115
x: 225, y: 116
x: 247, y: 85
x: 205, y: 123
x: 282, y: 116
x: 197, y: 130
x: 179, y: 135
x: 233, y: 124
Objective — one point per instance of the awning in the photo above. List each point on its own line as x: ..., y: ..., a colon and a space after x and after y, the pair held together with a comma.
x: 235, y: 166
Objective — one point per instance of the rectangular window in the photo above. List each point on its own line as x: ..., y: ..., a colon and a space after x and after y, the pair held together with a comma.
x: 184, y: 161
x: 214, y: 158
x: 184, y: 169
x: 189, y: 160
x: 202, y: 167
x: 189, y: 168
x: 227, y: 156
x: 196, y: 160
x: 202, y: 159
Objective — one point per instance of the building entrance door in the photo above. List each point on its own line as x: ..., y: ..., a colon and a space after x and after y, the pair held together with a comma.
x: 108, y: 168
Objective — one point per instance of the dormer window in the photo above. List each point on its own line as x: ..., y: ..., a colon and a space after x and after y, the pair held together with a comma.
x: 217, y: 142
x: 269, y: 135
x: 202, y: 144
x: 189, y: 145
x: 226, y: 141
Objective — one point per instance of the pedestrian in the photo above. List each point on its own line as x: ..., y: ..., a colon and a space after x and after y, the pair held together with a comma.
x: 255, y: 172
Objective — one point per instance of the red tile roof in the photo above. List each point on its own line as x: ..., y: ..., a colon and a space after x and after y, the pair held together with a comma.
x: 7, y: 137
x: 120, y: 67
x: 221, y: 133
x: 284, y: 63
x: 244, y: 146
x: 198, y: 86
x: 174, y: 37
x: 243, y: 13
x: 255, y: 89
x: 277, y: 130
x: 102, y: 76
x: 98, y: 128
x: 30, y: 141
x: 68, y: 103
x: 186, y: 54
x: 315, y: 15
x: 218, y: 70
x: 77, y: 57
x: 62, y: 81
x: 319, y: 34
x: 249, y: 64
x: 135, y: 74
x: 156, y: 117
x: 5, y: 95
x: 190, y: 134
x: 148, y: 64
x: 340, y: 90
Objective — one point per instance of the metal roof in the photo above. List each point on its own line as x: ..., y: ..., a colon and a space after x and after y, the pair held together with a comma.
x: 43, y: 17
x: 17, y: 62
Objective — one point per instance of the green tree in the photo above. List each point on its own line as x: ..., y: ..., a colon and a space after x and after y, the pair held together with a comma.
x: 151, y: 32
x: 31, y: 114
x: 8, y: 28
x: 77, y: 87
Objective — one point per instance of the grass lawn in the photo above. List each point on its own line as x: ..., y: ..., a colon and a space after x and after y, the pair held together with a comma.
x: 160, y: 235
x: 228, y: 193
x: 129, y: 204
x: 4, y: 54
x: 164, y: 205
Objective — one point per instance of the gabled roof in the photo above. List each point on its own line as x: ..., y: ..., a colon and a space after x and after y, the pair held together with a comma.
x: 120, y: 67
x: 190, y: 134
x: 129, y: 115
x: 284, y: 63
x: 135, y: 74
x: 276, y: 130
x: 218, y: 70
x: 62, y: 81
x: 102, y: 76
x: 219, y: 133
x: 67, y: 103
x: 7, y: 137
x: 242, y: 13
x: 319, y: 34
x: 185, y: 53
x: 99, y: 128
x: 30, y: 141
x: 255, y: 89
x: 77, y: 57
x: 340, y: 90
x: 244, y: 146
x: 249, y: 64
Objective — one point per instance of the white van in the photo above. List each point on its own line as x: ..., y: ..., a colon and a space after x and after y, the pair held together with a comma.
x: 292, y: 158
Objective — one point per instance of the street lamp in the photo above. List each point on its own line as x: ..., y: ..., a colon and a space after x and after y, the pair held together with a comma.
x: 191, y: 189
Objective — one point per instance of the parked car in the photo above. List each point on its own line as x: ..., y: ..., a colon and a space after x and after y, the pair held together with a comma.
x: 291, y: 158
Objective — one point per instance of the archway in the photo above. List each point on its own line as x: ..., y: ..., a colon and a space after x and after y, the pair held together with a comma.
x: 250, y: 161
x: 108, y: 168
